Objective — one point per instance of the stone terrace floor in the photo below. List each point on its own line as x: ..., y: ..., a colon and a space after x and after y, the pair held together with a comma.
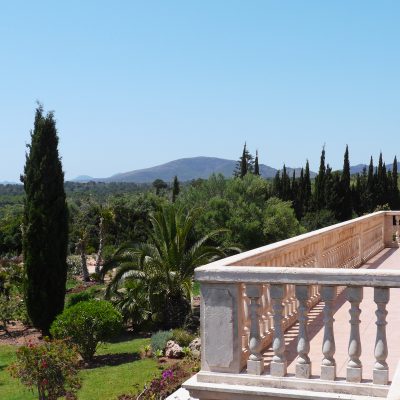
x: 388, y: 258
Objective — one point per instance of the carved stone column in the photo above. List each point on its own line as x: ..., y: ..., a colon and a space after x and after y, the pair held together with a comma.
x: 303, y: 364
x: 381, y: 369
x: 255, y: 363
x: 328, y: 367
x: 354, y: 367
x: 279, y: 362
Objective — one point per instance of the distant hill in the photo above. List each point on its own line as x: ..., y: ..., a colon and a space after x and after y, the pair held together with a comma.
x: 186, y: 169
x: 358, y: 169
x: 84, y: 178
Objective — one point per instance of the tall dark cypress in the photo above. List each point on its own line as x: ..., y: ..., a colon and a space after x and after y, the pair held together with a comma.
x: 346, y: 203
x: 277, y: 185
x: 395, y: 203
x: 307, y: 187
x: 370, y: 189
x: 45, y: 236
x: 286, y: 192
x: 319, y: 192
x: 256, y: 166
x: 175, y: 189
x: 380, y: 183
x: 245, y: 164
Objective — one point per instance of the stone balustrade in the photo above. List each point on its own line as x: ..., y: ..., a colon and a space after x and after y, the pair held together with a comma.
x: 251, y: 299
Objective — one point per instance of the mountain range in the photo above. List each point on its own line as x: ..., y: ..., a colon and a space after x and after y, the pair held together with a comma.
x: 185, y: 169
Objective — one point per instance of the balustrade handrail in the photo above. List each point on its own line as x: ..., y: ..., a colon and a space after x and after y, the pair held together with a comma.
x: 303, y: 276
x: 335, y: 234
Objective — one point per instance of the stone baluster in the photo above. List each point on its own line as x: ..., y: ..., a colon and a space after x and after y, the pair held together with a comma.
x: 246, y: 330
x: 397, y: 227
x: 328, y: 367
x: 255, y: 363
x: 265, y: 310
x: 303, y: 364
x: 279, y: 362
x: 381, y: 369
x: 354, y: 367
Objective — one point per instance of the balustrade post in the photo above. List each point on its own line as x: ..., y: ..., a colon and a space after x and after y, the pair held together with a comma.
x: 303, y: 364
x: 245, y: 314
x: 381, y: 369
x: 255, y: 363
x: 279, y: 362
x: 354, y: 367
x: 328, y: 367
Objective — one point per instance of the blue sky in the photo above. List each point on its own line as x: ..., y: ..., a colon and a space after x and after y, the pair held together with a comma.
x: 135, y: 84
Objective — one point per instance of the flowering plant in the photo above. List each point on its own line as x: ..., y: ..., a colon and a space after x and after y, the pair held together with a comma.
x: 50, y: 367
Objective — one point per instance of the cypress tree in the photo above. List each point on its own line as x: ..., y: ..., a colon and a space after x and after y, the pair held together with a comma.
x: 395, y: 203
x: 370, y: 189
x: 245, y: 164
x: 256, y: 166
x: 175, y: 189
x: 45, y: 238
x: 319, y: 192
x: 300, y: 195
x: 285, y: 195
x: 346, y: 206
x: 277, y: 185
x: 307, y: 187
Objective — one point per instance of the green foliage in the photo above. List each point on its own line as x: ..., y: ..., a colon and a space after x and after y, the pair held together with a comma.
x: 86, y: 324
x: 76, y: 298
x: 165, y: 264
x: 51, y: 368
x: 182, y: 337
x: 175, y: 189
x: 132, y: 301
x: 10, y: 229
x: 318, y: 219
x: 159, y: 340
x: 106, y: 382
x: 245, y: 164
x: 11, y: 309
x: 280, y: 221
x: 45, y: 222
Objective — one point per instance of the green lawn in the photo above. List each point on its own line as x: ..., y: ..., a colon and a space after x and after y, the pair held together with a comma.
x: 122, y: 371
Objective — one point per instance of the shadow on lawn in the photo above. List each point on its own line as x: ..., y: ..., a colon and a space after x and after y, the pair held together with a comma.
x: 112, y: 360
x: 127, y: 336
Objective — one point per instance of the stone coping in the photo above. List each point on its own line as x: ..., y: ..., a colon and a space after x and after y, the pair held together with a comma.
x: 248, y: 255
x: 299, y: 276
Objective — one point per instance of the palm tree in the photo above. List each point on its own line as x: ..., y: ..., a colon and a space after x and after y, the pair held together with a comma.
x: 165, y: 264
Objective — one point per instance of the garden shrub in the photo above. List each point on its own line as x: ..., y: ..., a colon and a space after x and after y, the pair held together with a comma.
x: 51, y: 367
x: 159, y: 340
x: 86, y: 324
x: 76, y: 298
x: 182, y: 337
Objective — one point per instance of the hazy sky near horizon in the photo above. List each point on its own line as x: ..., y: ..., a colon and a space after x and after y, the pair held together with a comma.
x: 139, y: 83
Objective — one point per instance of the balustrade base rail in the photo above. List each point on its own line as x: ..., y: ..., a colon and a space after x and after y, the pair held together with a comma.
x: 211, y: 385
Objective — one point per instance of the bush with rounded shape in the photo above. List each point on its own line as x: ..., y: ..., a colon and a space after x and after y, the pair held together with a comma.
x: 51, y: 367
x: 86, y: 324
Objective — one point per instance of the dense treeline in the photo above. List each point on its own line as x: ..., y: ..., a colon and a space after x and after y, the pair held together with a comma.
x: 335, y: 194
x: 255, y: 210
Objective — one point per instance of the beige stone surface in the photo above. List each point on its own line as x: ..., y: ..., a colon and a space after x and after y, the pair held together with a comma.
x: 388, y: 259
